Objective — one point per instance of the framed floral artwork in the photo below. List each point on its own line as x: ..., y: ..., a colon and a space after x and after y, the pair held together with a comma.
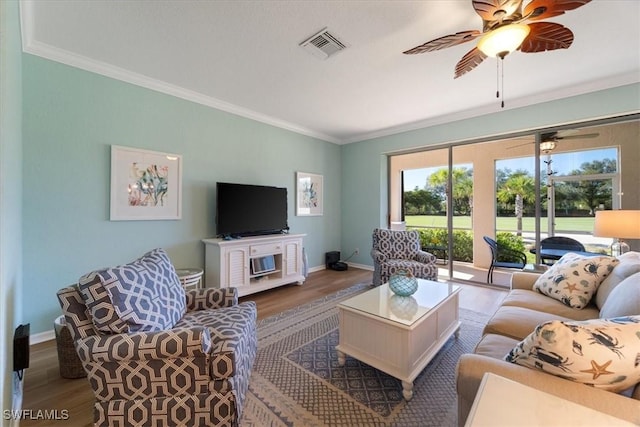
x: 308, y: 194
x: 145, y: 185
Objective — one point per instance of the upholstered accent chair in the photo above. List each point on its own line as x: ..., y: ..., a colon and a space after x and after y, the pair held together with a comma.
x: 155, y: 354
x: 395, y: 250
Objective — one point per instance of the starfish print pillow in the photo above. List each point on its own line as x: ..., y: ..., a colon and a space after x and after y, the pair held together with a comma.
x: 574, y: 279
x: 603, y: 353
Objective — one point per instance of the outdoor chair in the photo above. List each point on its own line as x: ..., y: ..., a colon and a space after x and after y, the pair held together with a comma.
x: 503, y: 257
x: 155, y: 354
x: 400, y: 250
x: 558, y: 242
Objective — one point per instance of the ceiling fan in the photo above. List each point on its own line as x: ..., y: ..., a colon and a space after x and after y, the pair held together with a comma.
x: 506, y: 28
x: 549, y: 140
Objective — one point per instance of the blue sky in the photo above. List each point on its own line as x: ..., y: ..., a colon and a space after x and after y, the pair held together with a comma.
x: 562, y: 164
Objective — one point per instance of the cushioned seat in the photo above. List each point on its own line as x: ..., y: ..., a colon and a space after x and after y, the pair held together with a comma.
x: 518, y: 322
x: 495, y: 346
x: 155, y: 355
x: 539, y: 302
x: 395, y: 250
x: 548, y: 334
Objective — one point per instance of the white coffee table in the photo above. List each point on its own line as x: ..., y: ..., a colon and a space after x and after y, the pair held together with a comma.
x: 399, y: 335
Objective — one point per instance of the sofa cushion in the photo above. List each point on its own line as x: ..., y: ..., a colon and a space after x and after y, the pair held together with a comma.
x: 629, y: 264
x: 602, y: 353
x: 574, y: 279
x: 517, y: 322
x: 495, y: 346
x: 144, y: 295
x: 539, y: 302
x: 624, y: 300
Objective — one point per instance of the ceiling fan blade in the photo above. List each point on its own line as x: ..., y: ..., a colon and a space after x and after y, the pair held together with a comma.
x: 471, y: 60
x: 546, y: 36
x: 543, y: 9
x: 444, y: 42
x: 496, y: 10
x: 582, y: 136
x: 520, y: 145
x: 555, y: 137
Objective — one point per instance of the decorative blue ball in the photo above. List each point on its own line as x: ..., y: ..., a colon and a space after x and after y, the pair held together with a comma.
x: 403, y: 283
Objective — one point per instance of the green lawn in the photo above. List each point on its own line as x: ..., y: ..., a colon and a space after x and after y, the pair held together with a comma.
x: 580, y: 224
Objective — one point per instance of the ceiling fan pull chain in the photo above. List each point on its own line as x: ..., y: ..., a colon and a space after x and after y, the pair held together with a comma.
x: 502, y: 81
x: 498, y: 78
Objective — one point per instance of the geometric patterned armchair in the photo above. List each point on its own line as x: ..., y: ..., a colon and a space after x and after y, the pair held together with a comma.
x: 155, y: 354
x: 395, y: 250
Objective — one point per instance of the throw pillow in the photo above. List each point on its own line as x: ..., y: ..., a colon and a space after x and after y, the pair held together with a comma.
x: 573, y: 279
x: 602, y: 353
x: 629, y: 264
x: 144, y: 295
x: 624, y: 300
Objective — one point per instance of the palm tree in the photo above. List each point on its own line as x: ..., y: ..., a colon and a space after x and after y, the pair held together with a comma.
x: 518, y: 189
x: 462, y: 187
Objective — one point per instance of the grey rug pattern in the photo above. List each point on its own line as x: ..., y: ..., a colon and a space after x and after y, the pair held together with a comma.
x: 296, y: 379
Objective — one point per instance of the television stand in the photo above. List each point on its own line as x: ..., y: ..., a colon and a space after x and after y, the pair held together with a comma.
x: 228, y: 262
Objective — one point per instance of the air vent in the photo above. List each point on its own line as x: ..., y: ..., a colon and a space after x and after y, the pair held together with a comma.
x: 323, y: 44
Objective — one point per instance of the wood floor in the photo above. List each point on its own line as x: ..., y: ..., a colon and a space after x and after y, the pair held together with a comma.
x: 45, y: 390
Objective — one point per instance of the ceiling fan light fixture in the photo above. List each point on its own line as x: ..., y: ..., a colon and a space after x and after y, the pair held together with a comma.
x: 503, y: 40
x: 547, y: 146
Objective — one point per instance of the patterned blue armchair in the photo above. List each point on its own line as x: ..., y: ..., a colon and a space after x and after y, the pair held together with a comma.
x: 400, y: 250
x: 155, y: 355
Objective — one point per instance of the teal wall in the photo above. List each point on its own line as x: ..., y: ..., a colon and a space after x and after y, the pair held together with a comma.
x: 71, y: 119
x: 10, y: 193
x: 364, y: 164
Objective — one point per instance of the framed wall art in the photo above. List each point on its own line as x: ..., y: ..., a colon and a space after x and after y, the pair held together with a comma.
x: 308, y: 194
x: 145, y: 185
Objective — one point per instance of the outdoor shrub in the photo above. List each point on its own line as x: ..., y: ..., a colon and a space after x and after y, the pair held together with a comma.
x: 462, y: 245
x: 510, y: 241
x: 462, y: 241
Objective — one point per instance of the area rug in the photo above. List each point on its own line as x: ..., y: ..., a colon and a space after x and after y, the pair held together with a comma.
x: 296, y: 379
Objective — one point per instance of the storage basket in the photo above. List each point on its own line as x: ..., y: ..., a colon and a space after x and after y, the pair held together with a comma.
x: 70, y: 365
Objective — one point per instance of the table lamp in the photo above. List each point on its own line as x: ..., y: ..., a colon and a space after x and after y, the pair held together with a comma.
x: 619, y: 224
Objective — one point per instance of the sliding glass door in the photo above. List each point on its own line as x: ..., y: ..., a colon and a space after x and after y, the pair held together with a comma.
x: 517, y: 190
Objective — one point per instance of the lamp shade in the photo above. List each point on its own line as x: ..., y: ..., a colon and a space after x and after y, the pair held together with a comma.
x: 621, y: 224
x: 546, y: 146
x: 503, y: 40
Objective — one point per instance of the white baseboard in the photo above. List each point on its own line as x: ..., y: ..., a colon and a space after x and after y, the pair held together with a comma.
x: 317, y: 268
x: 361, y: 266
x: 42, y: 337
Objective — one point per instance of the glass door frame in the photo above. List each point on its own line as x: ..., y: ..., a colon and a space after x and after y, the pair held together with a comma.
x: 537, y: 134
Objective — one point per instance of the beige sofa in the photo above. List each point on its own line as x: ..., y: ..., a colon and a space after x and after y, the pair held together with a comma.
x: 522, y: 310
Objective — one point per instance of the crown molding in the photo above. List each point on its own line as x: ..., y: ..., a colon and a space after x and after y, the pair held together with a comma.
x: 107, y: 70
x: 565, y: 92
x: 33, y: 47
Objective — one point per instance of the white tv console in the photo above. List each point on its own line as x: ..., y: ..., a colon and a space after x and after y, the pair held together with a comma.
x: 228, y: 262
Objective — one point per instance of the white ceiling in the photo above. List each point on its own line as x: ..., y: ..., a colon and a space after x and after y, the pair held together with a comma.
x: 244, y: 57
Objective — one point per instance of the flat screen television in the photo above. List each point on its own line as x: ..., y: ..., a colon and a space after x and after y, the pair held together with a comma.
x: 250, y: 210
